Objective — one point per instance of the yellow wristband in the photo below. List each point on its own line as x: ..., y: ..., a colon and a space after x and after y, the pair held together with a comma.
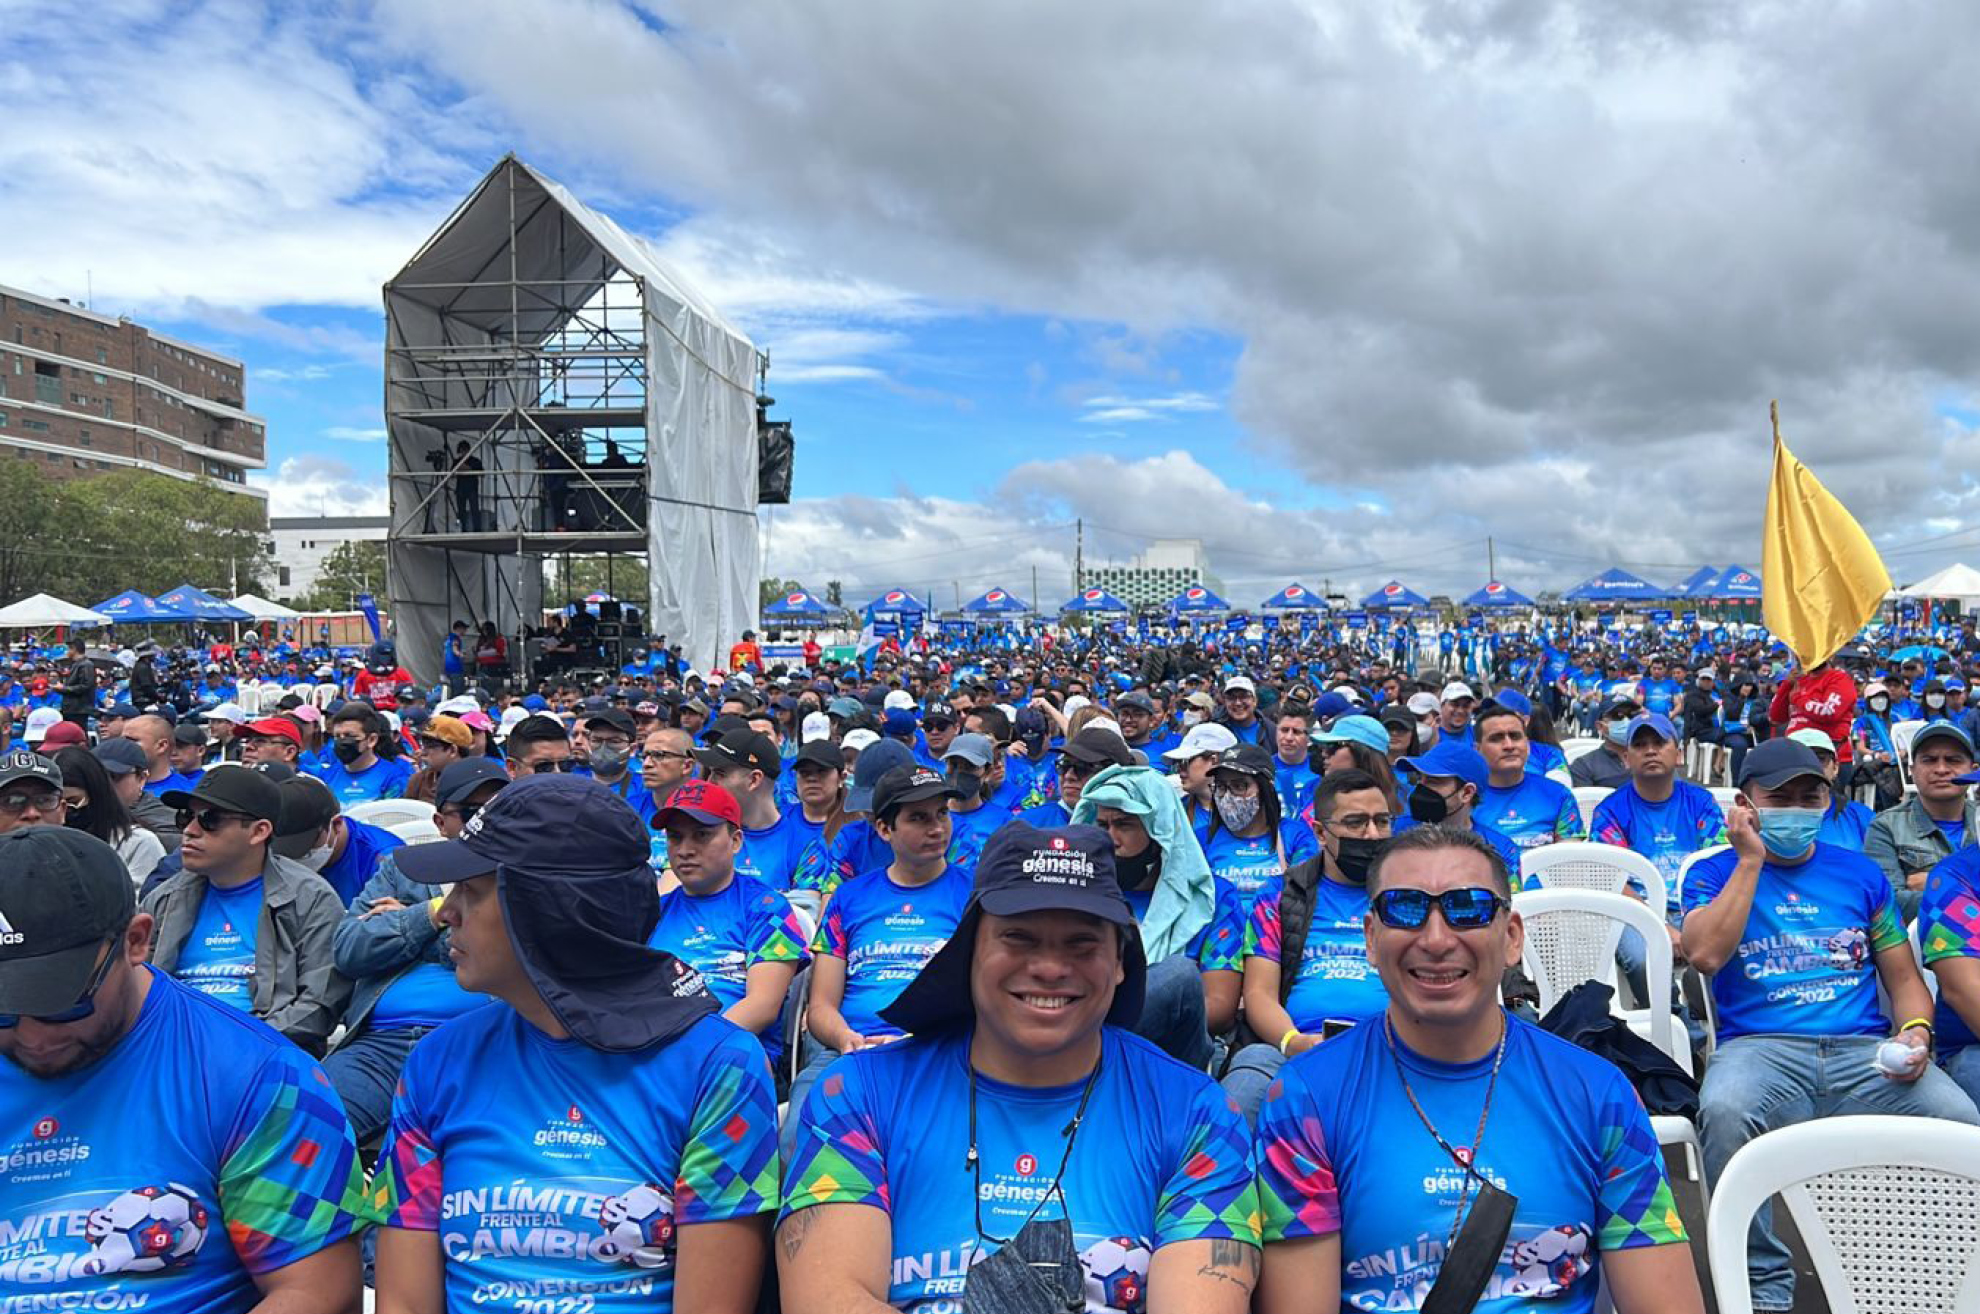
x: 1287, y: 1039
x: 433, y: 905
x: 1917, y: 1022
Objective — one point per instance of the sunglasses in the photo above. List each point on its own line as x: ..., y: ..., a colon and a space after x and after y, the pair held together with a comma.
x: 211, y: 819
x: 41, y: 800
x: 1463, y: 910
x: 560, y: 764
x: 464, y: 812
x: 82, y: 1008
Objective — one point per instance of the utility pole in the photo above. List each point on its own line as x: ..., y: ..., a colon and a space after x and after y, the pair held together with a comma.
x: 1034, y: 586
x: 1079, y: 555
x: 1491, y: 562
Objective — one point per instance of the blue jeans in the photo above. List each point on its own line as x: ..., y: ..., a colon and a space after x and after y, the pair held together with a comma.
x: 1251, y: 1074
x: 1758, y: 1084
x: 1172, y: 1015
x: 1964, y: 1065
x: 365, y: 1071
x: 816, y: 1059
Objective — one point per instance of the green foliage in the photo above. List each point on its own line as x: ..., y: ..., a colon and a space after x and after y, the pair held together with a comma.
x: 86, y: 539
x: 834, y: 593
x: 566, y: 579
x: 774, y: 590
x: 353, y: 567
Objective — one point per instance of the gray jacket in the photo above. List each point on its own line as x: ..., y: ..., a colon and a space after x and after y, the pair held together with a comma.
x: 154, y: 816
x: 375, y: 951
x: 297, y: 989
x: 1905, y: 839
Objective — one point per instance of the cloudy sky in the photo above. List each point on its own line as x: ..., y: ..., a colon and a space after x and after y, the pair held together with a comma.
x: 1341, y: 289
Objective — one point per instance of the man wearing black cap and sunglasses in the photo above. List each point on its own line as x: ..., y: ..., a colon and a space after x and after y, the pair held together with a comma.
x: 746, y: 763
x: 1025, y: 1152
x: 599, y: 1138
x: 1449, y: 1148
x: 160, y: 1150
x: 241, y: 923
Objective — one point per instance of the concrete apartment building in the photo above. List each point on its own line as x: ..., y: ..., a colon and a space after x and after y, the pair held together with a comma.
x: 82, y: 393
x: 1157, y: 575
x: 301, y: 544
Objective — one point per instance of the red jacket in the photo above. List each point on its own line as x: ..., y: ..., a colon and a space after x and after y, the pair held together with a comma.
x: 1824, y: 701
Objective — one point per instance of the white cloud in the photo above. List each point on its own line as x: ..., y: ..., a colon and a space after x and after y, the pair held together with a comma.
x: 346, y: 434
x: 322, y: 486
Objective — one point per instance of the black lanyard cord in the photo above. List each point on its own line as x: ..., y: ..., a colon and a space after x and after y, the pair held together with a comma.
x: 1462, y: 1157
x: 1071, y: 1133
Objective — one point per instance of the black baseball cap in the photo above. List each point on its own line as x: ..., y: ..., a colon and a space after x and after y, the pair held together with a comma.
x: 570, y: 864
x: 462, y: 778
x: 1247, y: 759
x: 231, y: 787
x: 613, y: 717
x: 1025, y: 869
x: 307, y: 807
x: 26, y: 764
x: 191, y: 732
x: 1778, y: 761
x: 1136, y: 699
x: 938, y: 712
x: 743, y: 747
x: 1098, y: 746
x: 820, y: 752
x: 120, y: 757
x: 62, y: 894
x: 909, y: 784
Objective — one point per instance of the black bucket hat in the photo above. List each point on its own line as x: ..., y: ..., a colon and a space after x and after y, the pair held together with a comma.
x: 1026, y: 869
x: 570, y: 863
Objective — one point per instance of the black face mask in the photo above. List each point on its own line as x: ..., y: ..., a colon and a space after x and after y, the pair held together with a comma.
x: 348, y: 751
x: 1427, y: 806
x: 1140, y: 871
x: 969, y: 783
x: 1353, y: 855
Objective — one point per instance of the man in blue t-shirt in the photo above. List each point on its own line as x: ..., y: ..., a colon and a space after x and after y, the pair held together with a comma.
x: 599, y: 1137
x: 361, y: 770
x: 1528, y: 809
x: 343, y: 851
x: 1796, y: 937
x: 1292, y: 761
x: 1847, y: 822
x: 746, y: 763
x: 1450, y: 779
x: 1374, y: 1147
x: 1654, y: 813
x: 976, y: 769
x: 246, y: 1186
x: 1095, y: 1172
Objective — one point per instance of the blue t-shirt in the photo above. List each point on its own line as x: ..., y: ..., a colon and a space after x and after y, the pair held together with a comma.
x: 773, y: 854
x: 1336, y: 982
x: 246, y: 1167
x: 1534, y: 812
x: 1846, y: 824
x: 970, y: 831
x: 723, y: 935
x: 1160, y: 1157
x: 1949, y: 927
x: 1666, y: 833
x: 885, y: 933
x: 424, y: 995
x: 366, y: 845
x: 1955, y: 830
x: 1219, y: 945
x: 1806, y: 963
x: 857, y: 848
x: 559, y: 1170
x: 385, y: 778
x: 1296, y: 785
x: 1542, y: 758
x: 1661, y: 695
x: 217, y: 958
x: 1248, y: 864
x: 1341, y: 1150
x: 172, y: 781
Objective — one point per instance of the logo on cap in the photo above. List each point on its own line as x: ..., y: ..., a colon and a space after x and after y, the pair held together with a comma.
x: 8, y: 935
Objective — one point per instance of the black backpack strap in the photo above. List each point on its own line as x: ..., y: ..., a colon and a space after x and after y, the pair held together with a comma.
x: 1302, y: 881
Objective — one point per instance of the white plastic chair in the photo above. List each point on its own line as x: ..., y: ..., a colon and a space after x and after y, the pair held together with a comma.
x: 1902, y: 734
x: 421, y: 831
x: 248, y: 694
x: 1586, y: 865
x: 325, y: 694
x: 390, y: 812
x: 1571, y: 937
x: 1577, y: 748
x: 1708, y: 1011
x: 1724, y: 795
x: 1888, y: 1209
x: 1588, y: 798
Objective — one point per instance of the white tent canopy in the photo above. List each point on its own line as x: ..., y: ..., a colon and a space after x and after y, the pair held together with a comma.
x: 264, y: 610
x: 41, y: 611
x: 1959, y: 582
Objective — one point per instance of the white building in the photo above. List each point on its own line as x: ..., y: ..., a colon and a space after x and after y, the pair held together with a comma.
x: 1165, y: 569
x: 301, y: 545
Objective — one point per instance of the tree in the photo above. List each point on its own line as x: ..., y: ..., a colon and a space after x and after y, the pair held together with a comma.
x: 774, y: 590
x: 834, y: 593
x: 353, y: 567
x: 567, y: 579
x: 32, y: 514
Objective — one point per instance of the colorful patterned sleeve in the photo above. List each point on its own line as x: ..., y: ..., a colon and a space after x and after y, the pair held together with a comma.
x: 837, y: 1158
x: 1607, y: 828
x: 831, y: 938
x: 1297, y: 1195
x: 290, y: 1184
x: 1213, y: 1192
x: 1633, y: 1205
x: 1261, y: 931
x: 1949, y: 915
x: 729, y: 1164
x: 1221, y: 948
x: 1886, y: 931
x: 775, y: 934
x: 1567, y: 821
x: 814, y: 868
x: 1711, y: 824
x: 406, y: 1185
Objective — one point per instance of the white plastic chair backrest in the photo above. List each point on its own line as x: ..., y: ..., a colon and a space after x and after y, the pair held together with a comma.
x: 1692, y: 860
x: 806, y: 911
x: 418, y: 831
x: 325, y: 694
x: 248, y: 694
x: 1576, y: 749
x: 1571, y: 937
x: 1588, y: 798
x: 1586, y: 865
x: 1902, y: 734
x: 1724, y: 795
x: 390, y: 812
x: 1887, y: 1207
x: 1918, y: 952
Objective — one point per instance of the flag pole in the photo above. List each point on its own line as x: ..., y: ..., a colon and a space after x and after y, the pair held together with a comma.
x: 1774, y: 413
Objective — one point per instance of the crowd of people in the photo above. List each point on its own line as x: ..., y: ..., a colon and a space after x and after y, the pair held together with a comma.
x: 1102, y: 973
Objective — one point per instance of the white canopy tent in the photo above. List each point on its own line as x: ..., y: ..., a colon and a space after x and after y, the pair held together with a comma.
x: 264, y: 610
x: 1959, y: 582
x: 42, y: 611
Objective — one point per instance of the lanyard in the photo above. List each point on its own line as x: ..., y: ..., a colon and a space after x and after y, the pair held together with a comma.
x: 1070, y: 1131
x: 1461, y: 1155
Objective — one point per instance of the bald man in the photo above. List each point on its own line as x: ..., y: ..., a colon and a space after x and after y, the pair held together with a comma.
x: 154, y: 735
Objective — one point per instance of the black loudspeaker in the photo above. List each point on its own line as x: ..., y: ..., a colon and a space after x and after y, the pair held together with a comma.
x: 776, y: 455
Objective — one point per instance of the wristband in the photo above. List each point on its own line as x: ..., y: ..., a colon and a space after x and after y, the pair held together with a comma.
x: 1287, y: 1039
x: 433, y: 906
x: 1930, y: 1030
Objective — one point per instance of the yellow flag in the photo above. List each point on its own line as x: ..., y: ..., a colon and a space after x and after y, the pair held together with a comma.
x: 1820, y: 578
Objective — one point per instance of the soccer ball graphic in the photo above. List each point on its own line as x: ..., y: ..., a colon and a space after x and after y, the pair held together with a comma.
x: 1116, y: 1275
x: 1849, y: 950
x: 143, y: 1231
x: 1548, y: 1264
x: 639, y: 1227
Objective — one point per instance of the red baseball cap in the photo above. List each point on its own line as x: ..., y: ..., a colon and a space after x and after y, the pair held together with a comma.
x: 275, y: 727
x: 702, y: 803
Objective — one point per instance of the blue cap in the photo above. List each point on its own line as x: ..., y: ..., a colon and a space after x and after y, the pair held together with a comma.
x: 1356, y: 730
x: 1449, y: 757
x: 875, y: 761
x: 536, y: 702
x: 1331, y: 704
x: 1514, y: 699
x: 1652, y: 721
x: 897, y: 724
x: 1942, y: 730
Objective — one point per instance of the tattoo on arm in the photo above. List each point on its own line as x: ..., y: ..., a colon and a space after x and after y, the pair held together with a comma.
x: 1229, y: 1254
x: 791, y: 1235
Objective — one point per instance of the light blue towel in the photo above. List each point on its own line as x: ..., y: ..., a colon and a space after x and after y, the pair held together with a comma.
x: 1185, y: 893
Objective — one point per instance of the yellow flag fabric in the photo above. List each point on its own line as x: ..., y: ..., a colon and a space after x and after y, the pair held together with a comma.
x: 1821, y: 579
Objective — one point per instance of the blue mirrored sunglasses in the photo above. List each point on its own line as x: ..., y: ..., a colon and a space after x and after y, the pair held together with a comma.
x: 1463, y: 910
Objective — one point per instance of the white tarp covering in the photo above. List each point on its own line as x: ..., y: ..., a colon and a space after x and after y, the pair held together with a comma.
x: 263, y: 610
x: 41, y: 611
x: 700, y: 414
x: 1960, y: 582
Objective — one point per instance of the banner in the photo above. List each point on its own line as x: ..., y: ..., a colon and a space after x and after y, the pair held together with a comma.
x: 1356, y: 620
x: 1660, y: 617
x: 369, y: 606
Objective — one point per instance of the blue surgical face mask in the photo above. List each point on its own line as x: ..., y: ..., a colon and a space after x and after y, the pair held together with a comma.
x: 1787, y: 832
x: 1618, y: 732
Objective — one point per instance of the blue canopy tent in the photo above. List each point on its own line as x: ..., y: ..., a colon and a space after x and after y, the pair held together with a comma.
x: 1395, y: 594
x: 997, y: 602
x: 893, y: 602
x: 133, y: 608
x: 797, y: 606
x: 1495, y: 594
x: 1737, y: 584
x: 1296, y: 597
x: 1197, y: 598
x: 1615, y: 585
x: 1695, y: 582
x: 1096, y: 600
x: 198, y: 604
